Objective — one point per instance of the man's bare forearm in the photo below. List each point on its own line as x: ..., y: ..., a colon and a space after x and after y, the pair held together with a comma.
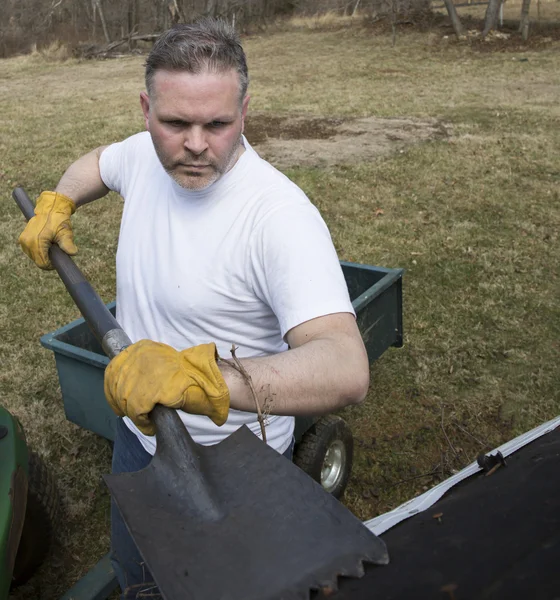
x: 82, y: 181
x: 316, y: 378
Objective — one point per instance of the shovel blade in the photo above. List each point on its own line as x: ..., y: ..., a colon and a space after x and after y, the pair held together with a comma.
x: 263, y: 530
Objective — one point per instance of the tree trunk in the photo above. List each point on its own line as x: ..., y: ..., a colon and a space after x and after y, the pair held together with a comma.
x: 97, y: 5
x: 491, y: 18
x: 175, y: 12
x: 455, y: 21
x: 524, y: 20
x: 394, y: 22
x: 93, y: 18
x: 133, y: 21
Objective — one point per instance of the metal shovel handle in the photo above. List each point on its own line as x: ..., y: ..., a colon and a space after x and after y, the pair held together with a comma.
x: 98, y: 317
x: 103, y: 325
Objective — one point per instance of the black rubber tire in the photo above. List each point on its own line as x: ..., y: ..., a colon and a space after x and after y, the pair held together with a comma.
x: 310, y: 453
x: 43, y: 504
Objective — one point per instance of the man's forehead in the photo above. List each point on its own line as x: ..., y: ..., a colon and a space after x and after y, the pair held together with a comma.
x: 208, y: 78
x: 197, y: 98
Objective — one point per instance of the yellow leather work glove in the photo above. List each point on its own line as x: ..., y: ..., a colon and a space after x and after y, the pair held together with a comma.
x: 149, y: 373
x: 50, y: 225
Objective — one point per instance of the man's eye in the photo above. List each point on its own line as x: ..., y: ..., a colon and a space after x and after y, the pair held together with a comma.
x: 217, y: 124
x: 176, y: 123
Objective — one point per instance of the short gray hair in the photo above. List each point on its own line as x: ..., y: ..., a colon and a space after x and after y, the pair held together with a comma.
x: 206, y: 44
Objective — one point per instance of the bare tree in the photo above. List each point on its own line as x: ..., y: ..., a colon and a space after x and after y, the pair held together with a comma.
x: 96, y: 7
x: 455, y: 21
x: 524, y: 21
x: 393, y: 22
x: 491, y: 18
x: 175, y: 12
x: 133, y: 20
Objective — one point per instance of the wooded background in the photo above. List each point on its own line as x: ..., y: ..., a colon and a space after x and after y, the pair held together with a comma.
x: 26, y: 24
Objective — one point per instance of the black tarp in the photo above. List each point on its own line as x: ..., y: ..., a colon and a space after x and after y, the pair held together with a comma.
x: 493, y: 536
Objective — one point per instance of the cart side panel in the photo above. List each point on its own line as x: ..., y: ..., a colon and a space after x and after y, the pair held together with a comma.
x: 360, y: 278
x: 376, y: 295
x: 97, y: 584
x: 83, y: 397
x: 380, y: 322
x: 81, y: 337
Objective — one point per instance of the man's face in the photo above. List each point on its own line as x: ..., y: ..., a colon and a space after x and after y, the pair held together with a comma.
x: 196, y: 123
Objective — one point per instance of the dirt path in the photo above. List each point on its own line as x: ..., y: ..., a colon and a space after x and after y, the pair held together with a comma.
x: 312, y: 141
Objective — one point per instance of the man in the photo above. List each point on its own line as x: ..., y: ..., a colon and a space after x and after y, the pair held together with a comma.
x: 216, y: 248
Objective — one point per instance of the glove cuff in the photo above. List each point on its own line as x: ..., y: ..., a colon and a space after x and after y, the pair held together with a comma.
x: 49, y: 202
x: 204, y: 358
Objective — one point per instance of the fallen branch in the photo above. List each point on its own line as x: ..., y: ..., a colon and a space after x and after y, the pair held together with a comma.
x: 144, y: 37
x: 107, y: 51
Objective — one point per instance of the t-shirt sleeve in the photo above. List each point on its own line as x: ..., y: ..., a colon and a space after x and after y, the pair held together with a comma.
x: 119, y: 163
x: 111, y: 164
x: 295, y: 267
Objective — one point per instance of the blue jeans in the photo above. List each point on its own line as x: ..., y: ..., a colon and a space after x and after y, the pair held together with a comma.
x: 134, y: 577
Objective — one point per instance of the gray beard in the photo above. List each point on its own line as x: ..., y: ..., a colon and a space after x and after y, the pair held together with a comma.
x: 232, y: 159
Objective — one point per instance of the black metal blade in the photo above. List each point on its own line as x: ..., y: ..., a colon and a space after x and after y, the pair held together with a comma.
x: 260, y: 529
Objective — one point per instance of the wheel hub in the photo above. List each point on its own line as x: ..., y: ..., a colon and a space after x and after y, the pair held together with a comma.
x: 333, y: 465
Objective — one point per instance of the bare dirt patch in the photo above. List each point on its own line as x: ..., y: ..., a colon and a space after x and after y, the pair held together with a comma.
x: 313, y: 141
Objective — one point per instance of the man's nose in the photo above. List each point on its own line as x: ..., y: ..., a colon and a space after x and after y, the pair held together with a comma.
x: 195, y: 140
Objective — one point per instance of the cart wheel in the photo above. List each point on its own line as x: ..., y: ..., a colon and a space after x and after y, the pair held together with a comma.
x: 40, y: 520
x: 325, y: 453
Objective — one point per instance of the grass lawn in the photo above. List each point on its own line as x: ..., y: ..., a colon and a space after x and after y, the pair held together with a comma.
x: 473, y: 218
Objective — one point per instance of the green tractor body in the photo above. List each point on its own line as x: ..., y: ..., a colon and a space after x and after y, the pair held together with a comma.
x: 14, y: 457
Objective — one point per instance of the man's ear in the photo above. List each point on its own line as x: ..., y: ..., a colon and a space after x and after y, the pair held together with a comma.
x: 145, y: 104
x: 244, y: 111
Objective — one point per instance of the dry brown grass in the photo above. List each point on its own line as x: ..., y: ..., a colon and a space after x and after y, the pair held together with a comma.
x: 324, y: 21
x: 474, y: 219
x: 54, y: 52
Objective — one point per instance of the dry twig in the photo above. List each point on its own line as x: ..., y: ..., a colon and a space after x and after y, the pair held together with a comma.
x: 430, y: 474
x: 236, y: 364
x: 267, y: 403
x: 446, y: 436
x: 464, y: 430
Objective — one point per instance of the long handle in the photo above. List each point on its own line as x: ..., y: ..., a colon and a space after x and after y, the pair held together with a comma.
x: 103, y: 325
x: 100, y: 320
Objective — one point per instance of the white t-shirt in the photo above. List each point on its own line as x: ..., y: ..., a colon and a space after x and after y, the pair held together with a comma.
x: 241, y: 262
